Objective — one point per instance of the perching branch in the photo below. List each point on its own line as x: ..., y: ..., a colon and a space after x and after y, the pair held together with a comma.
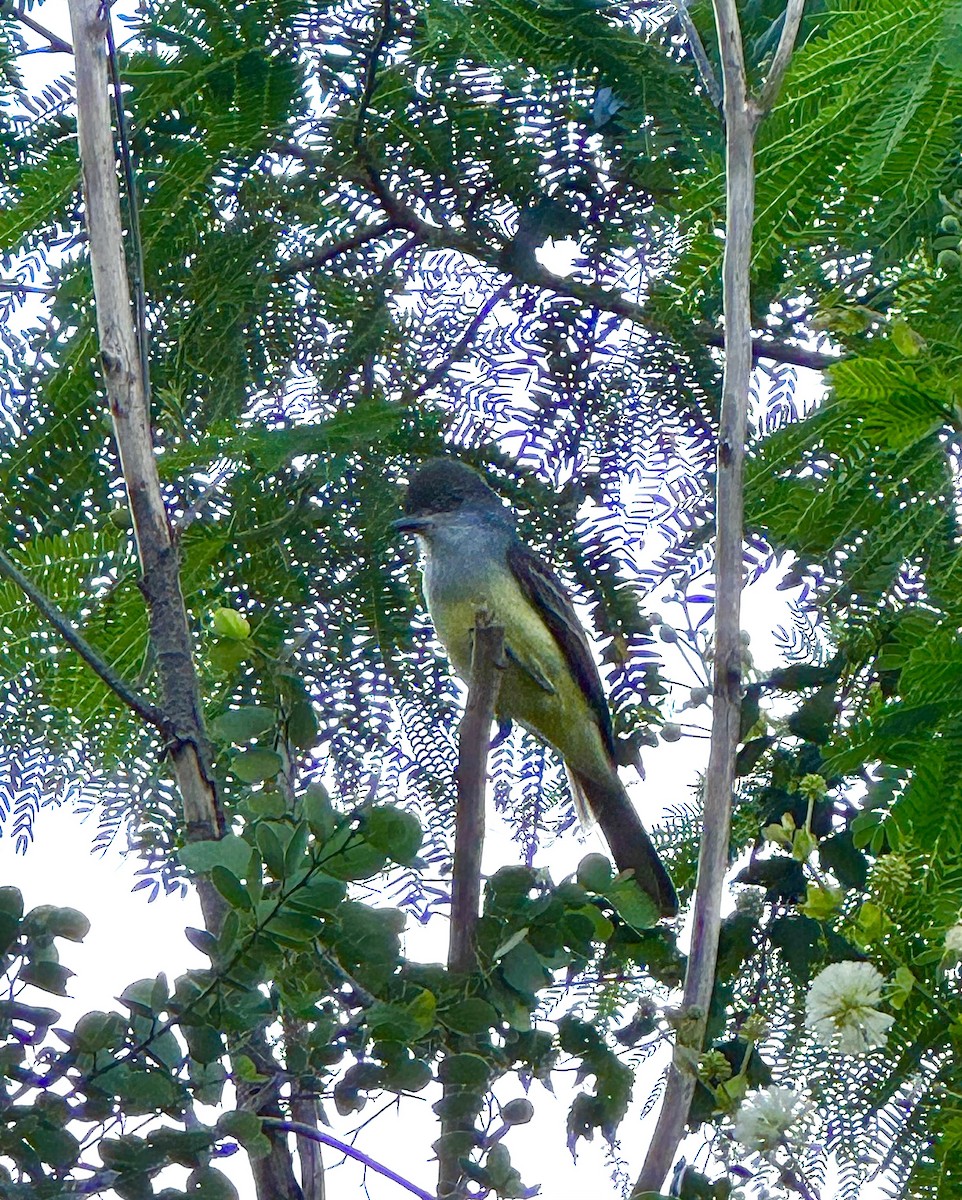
x: 742, y: 114
x: 473, y: 742
x: 308, y: 1131
x: 474, y: 736
x: 76, y: 641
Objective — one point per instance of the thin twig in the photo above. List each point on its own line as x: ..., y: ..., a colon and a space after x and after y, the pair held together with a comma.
x: 76, y: 641
x: 57, y: 45
x: 697, y: 48
x: 462, y: 345
x: 370, y: 73
x: 438, y: 237
x: 11, y: 285
x: 313, y: 261
x: 783, y: 56
x: 326, y: 1139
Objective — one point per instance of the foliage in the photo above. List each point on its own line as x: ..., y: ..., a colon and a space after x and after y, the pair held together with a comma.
x: 344, y: 210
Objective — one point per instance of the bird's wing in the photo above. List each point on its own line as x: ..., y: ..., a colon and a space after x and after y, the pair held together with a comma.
x: 546, y: 592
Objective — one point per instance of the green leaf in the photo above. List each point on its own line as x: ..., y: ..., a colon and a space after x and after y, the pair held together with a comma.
x: 230, y: 887
x: 207, y: 1183
x: 271, y: 849
x: 395, y: 832
x: 814, y: 720
x: 48, y: 976
x: 321, y: 894
x: 240, y: 1124
x: 594, y: 872
x: 242, y: 725
x: 318, y: 811
x: 302, y: 725
x: 465, y: 1070
x: 296, y: 848
x: 473, y: 1015
x: 143, y: 1091
x: 632, y: 904
x: 524, y: 971
x: 410, y: 1075
x: 361, y: 861
x: 230, y: 852
x: 58, y: 1147
x: 227, y: 623
x: 256, y: 766
x: 98, y: 1030
x: 204, y: 1042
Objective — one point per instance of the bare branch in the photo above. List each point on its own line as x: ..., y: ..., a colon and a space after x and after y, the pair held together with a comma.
x: 740, y: 124
x: 308, y: 1131
x: 473, y: 741
x: 127, y: 397
x: 794, y: 11
x: 783, y: 352
x: 591, y: 295
x: 329, y: 253
x: 76, y: 641
x: 370, y: 73
x: 56, y: 44
x: 698, y: 53
x: 474, y: 735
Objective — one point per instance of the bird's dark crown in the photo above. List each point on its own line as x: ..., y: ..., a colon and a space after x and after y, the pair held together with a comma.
x: 444, y: 485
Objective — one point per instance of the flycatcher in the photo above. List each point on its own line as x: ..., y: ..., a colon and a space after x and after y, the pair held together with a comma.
x: 473, y: 559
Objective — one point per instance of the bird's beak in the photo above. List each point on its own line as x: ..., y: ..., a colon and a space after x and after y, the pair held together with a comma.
x: 412, y: 524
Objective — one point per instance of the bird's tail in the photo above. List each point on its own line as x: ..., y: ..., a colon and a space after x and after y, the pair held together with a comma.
x: 608, y: 803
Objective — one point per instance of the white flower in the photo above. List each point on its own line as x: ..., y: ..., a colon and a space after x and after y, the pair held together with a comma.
x: 766, y: 1115
x: 953, y: 940
x: 841, y: 1007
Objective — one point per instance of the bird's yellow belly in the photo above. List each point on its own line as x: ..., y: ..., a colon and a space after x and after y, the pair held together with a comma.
x: 537, y: 688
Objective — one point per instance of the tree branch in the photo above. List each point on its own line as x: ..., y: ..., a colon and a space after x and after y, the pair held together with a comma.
x: 741, y: 120
x: 698, y: 53
x: 76, y: 641
x: 778, y: 351
x: 313, y: 261
x: 56, y: 44
x: 308, y: 1131
x: 794, y: 10
x: 474, y: 737
x: 127, y: 397
x: 438, y: 237
x: 461, y: 346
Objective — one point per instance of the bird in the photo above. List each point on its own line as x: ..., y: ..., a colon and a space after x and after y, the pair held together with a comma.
x: 474, y: 559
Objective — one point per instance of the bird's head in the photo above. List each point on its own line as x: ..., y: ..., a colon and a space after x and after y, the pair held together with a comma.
x: 443, y: 491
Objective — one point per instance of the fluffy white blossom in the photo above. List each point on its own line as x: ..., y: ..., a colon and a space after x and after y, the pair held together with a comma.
x: 766, y: 1116
x: 842, y: 1007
